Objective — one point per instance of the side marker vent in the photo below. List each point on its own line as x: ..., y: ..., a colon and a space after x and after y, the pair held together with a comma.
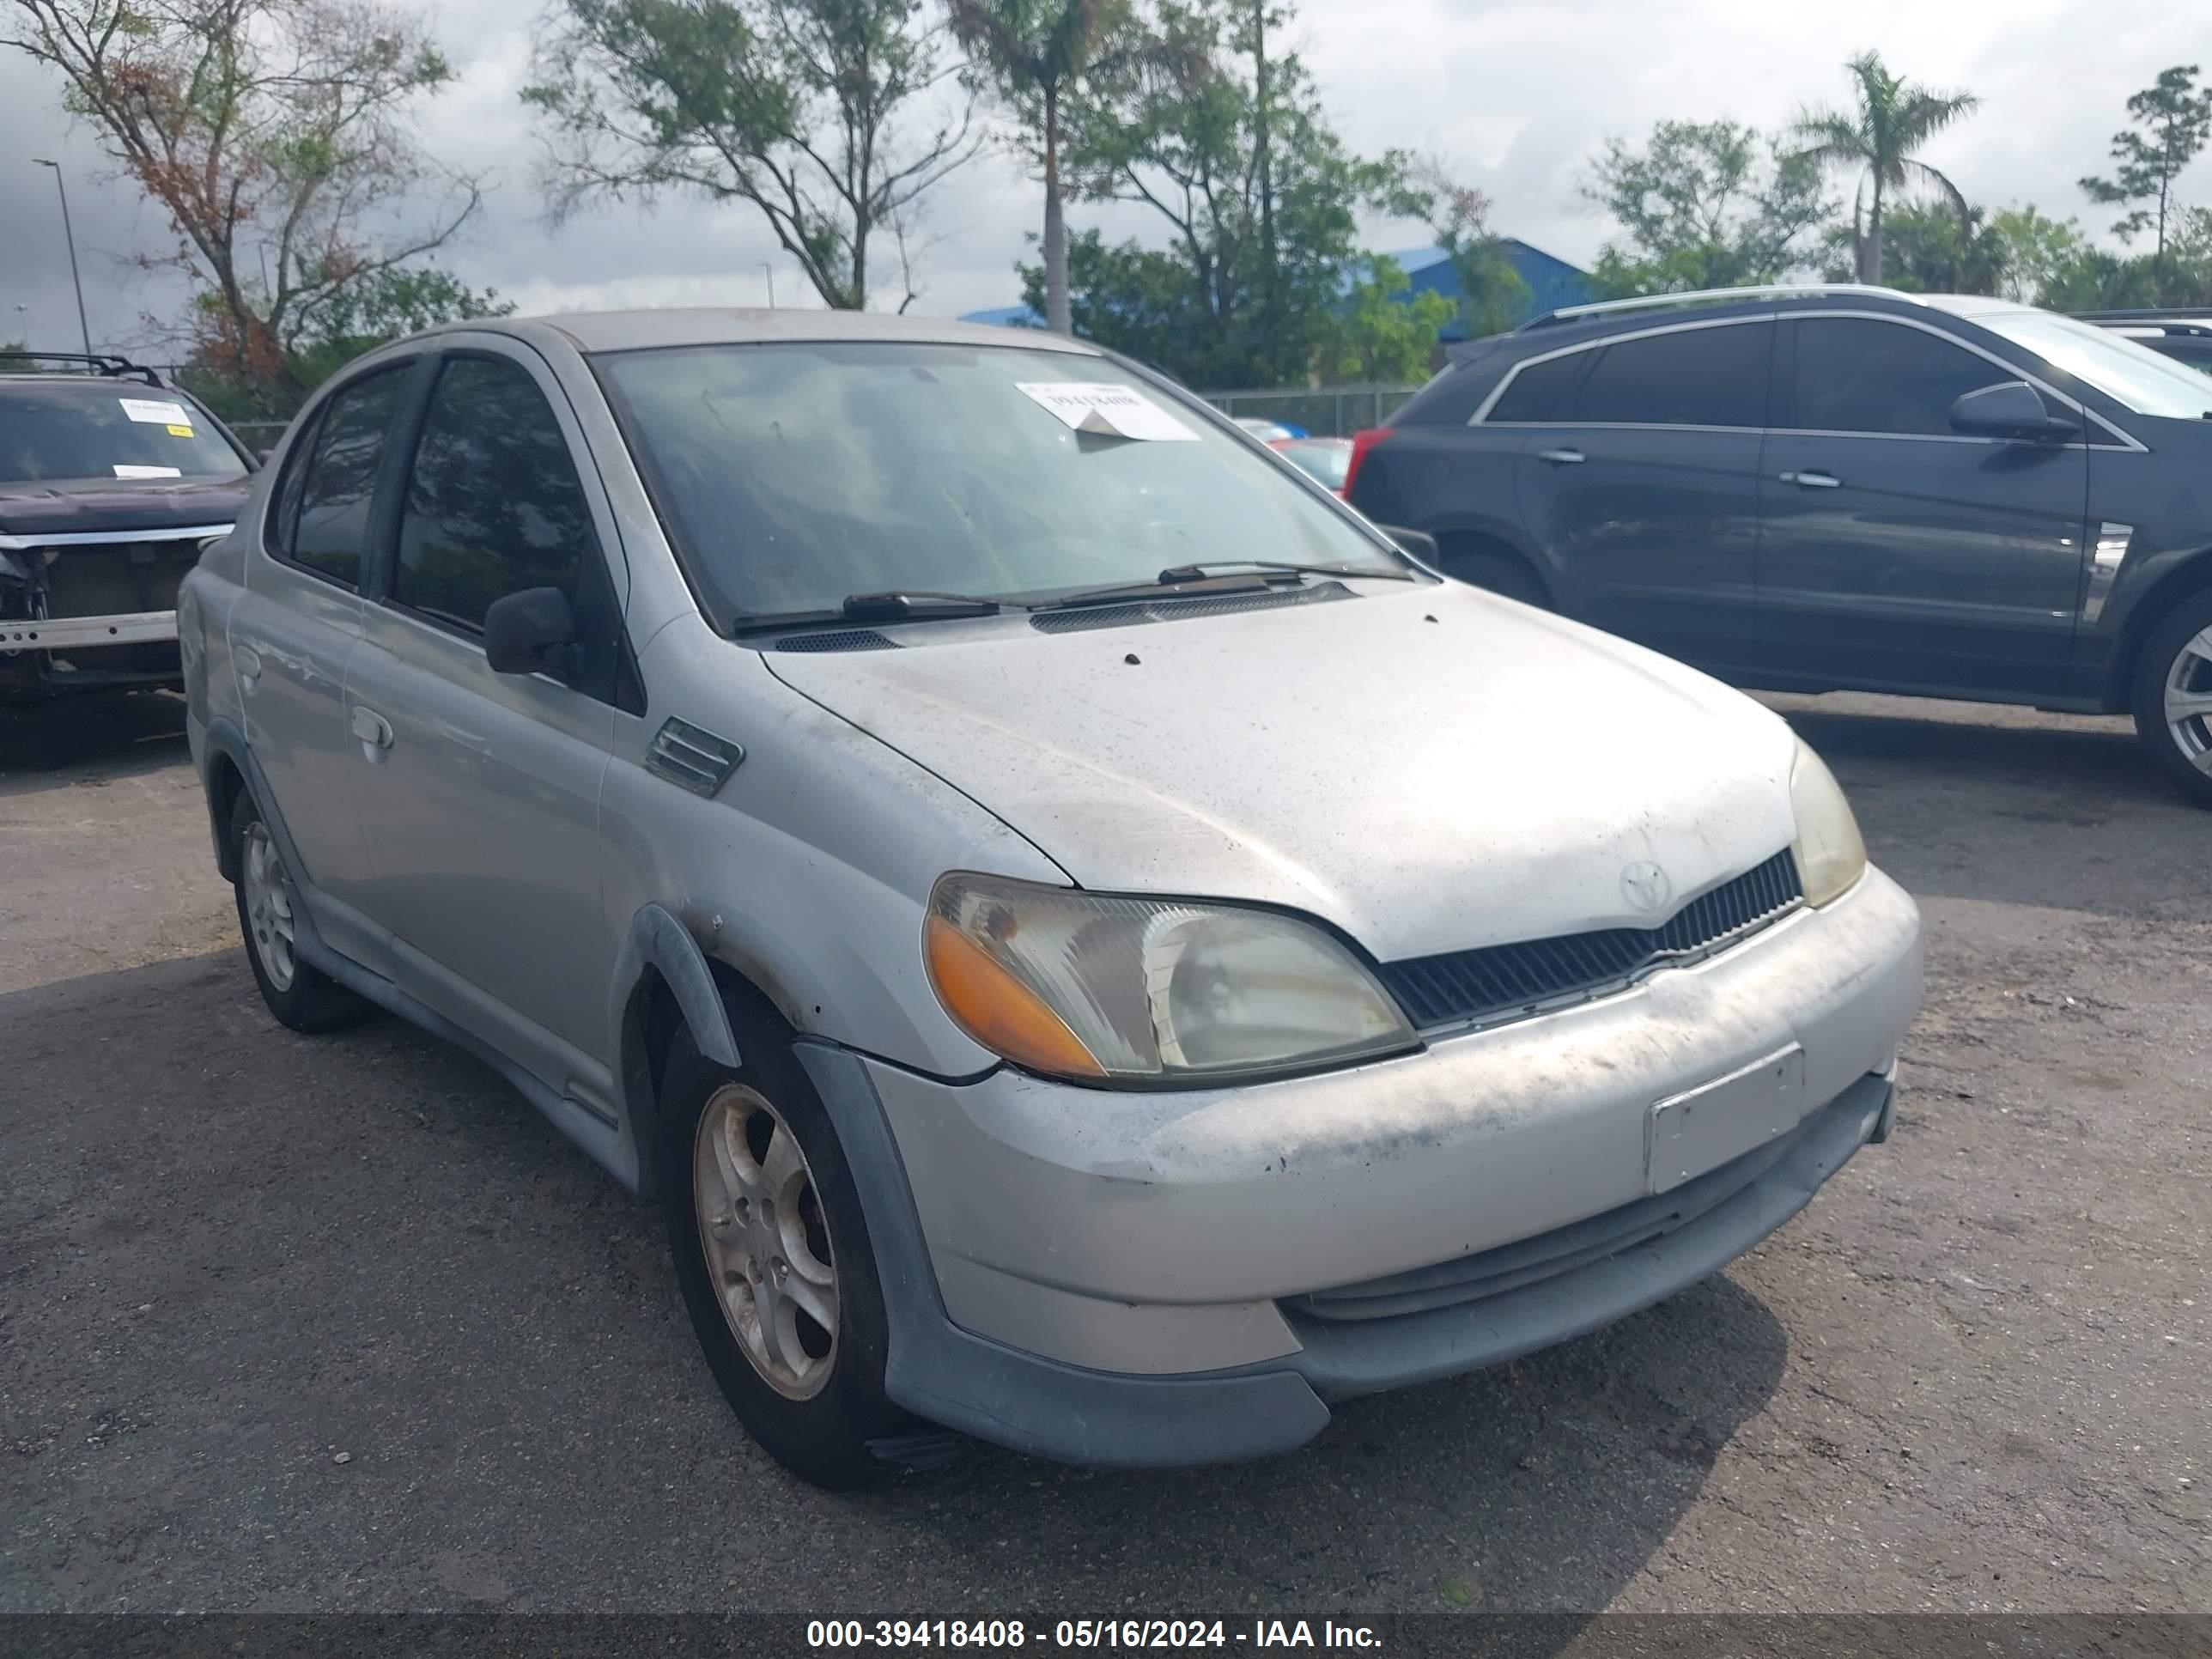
x: 691, y: 757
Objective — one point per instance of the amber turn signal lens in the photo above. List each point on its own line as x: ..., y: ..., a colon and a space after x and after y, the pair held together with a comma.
x: 997, y: 1008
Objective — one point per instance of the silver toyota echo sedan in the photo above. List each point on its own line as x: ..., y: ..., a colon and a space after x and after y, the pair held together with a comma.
x: 1089, y: 944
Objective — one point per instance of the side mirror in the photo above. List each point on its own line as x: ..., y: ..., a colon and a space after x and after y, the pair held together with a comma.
x: 532, y: 632
x: 1417, y: 544
x: 2010, y: 408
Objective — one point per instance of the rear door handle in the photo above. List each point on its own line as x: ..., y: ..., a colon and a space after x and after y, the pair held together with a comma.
x: 1562, y: 457
x: 247, y: 661
x: 1812, y: 480
x: 373, y: 729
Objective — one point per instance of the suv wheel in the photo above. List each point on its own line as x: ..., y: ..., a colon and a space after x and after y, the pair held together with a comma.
x: 2173, y: 696
x: 772, y: 1255
x: 302, y: 997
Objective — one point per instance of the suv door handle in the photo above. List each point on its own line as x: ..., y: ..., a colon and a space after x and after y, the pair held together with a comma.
x: 247, y: 661
x: 372, y: 728
x: 1812, y: 480
x: 1562, y: 457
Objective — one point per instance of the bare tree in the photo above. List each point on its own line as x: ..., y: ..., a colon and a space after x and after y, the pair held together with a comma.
x: 277, y: 135
x: 801, y: 107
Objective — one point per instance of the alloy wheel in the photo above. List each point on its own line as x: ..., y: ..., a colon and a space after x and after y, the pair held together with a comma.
x: 2189, y: 701
x: 269, y: 908
x: 766, y: 1242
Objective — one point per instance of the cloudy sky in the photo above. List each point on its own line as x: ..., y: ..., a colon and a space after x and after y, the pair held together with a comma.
x: 1519, y: 94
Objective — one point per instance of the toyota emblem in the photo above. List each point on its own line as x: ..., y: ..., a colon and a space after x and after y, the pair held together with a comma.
x: 1645, y: 886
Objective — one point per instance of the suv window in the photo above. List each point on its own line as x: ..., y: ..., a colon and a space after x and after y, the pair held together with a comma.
x: 494, y: 505
x: 1689, y: 377
x: 324, y: 516
x: 1542, y: 391
x: 1859, y: 374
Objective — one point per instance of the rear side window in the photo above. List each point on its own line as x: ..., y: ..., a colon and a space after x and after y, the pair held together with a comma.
x: 1858, y: 375
x: 324, y: 520
x: 1690, y: 377
x: 1542, y: 391
x: 494, y: 504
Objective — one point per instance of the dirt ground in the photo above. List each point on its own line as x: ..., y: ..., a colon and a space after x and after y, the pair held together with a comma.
x: 339, y: 1323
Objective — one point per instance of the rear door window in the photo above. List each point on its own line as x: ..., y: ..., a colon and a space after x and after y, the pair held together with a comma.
x: 324, y: 527
x: 1861, y: 374
x: 1686, y: 377
x: 1542, y: 392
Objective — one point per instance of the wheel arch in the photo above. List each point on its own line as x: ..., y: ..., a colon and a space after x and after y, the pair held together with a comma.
x: 2192, y: 574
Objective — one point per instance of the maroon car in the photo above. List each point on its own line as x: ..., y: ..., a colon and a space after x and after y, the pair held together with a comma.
x: 109, y: 482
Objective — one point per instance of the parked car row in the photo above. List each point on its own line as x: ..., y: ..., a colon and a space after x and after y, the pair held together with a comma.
x: 1839, y: 488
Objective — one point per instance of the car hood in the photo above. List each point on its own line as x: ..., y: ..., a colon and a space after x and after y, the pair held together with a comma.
x: 1429, y: 768
x: 70, y: 507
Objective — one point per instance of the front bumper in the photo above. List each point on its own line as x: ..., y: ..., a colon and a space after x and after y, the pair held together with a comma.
x: 1189, y: 1276
x: 75, y: 633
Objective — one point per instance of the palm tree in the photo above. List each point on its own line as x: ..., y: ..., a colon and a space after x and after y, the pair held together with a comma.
x: 1036, y: 51
x: 1895, y: 117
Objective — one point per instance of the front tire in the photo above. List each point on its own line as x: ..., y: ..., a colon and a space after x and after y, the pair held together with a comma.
x: 2173, y: 696
x: 301, y: 996
x: 773, y: 1256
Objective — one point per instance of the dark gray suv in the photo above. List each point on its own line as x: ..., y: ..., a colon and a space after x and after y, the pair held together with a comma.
x: 1824, y: 489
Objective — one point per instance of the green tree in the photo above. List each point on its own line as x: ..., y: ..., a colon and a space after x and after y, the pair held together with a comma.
x: 1261, y: 199
x: 1037, y: 52
x: 827, y: 116
x: 1702, y: 205
x: 278, y: 137
x: 1929, y: 248
x: 2176, y: 122
x: 1141, y: 303
x: 1891, y: 118
x: 1492, y: 297
x: 2043, y: 257
x: 1381, y: 330
x: 359, y: 317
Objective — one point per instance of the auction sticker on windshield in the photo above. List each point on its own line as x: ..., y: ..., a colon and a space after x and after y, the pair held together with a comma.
x: 159, y: 411
x: 1111, y: 411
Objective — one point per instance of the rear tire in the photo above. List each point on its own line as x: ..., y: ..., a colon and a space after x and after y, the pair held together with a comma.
x: 2173, y: 696
x: 301, y: 996
x: 1495, y: 571
x: 763, y: 1216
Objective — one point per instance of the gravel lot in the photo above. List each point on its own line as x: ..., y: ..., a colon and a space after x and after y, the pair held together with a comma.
x: 334, y: 1324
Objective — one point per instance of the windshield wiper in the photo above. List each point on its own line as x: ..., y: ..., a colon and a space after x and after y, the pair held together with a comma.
x: 1191, y: 573
x: 900, y: 606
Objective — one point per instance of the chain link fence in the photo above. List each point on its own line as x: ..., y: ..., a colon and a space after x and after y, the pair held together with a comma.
x: 1326, y: 411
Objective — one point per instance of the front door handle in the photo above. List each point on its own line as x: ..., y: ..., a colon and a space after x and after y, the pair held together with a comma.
x: 1562, y: 457
x: 1812, y: 480
x: 247, y: 661
x: 373, y: 730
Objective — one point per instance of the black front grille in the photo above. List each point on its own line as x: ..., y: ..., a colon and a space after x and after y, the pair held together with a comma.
x: 107, y: 578
x: 1471, y: 985
x: 1179, y: 609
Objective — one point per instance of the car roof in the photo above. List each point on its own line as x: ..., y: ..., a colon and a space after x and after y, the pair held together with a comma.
x: 631, y: 330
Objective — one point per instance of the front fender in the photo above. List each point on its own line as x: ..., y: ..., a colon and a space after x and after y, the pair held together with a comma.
x: 659, y: 944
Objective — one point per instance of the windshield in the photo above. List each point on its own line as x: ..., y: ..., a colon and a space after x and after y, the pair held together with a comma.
x: 793, y: 475
x: 73, y: 431
x: 2131, y: 374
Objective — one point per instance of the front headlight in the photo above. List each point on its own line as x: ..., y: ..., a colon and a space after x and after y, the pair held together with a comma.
x: 1830, y: 855
x: 1079, y: 985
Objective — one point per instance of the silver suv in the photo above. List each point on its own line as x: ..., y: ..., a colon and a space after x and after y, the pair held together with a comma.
x: 1087, y: 944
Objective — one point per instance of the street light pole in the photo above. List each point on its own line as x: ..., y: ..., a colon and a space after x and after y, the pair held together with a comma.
x: 768, y: 272
x: 83, y: 328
